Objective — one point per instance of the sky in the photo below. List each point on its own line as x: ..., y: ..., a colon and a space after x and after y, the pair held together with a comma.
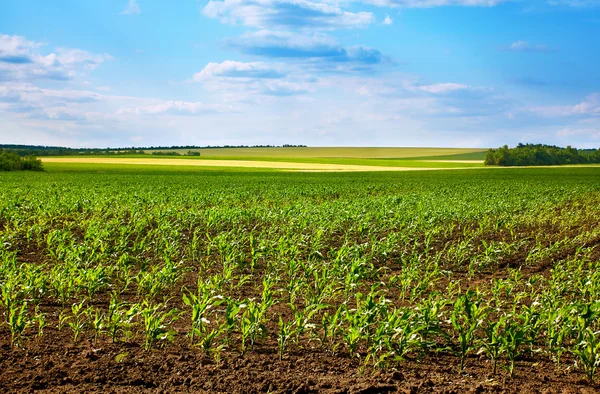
x: 447, y: 73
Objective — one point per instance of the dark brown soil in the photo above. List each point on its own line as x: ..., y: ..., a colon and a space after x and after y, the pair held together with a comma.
x: 55, y: 365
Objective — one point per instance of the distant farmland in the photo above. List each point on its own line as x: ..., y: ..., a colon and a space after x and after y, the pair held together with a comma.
x: 302, y: 159
x: 335, y: 152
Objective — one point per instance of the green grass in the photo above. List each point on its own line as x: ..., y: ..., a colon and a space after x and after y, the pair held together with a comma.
x: 140, y: 169
x: 480, y: 155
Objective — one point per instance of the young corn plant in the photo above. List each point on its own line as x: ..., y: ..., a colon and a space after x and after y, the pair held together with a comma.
x: 231, y: 314
x: 286, y: 330
x: 407, y: 331
x: 200, y: 304
x: 512, y: 338
x: 208, y: 343
x: 331, y: 327
x: 466, y: 318
x: 120, y: 319
x: 430, y: 315
x: 18, y: 321
x: 587, y: 352
x: 491, y: 344
x: 156, y: 323
x: 557, y: 324
x: 40, y: 318
x: 96, y: 320
x: 11, y: 297
x: 252, y: 324
x: 587, y: 339
x: 95, y: 279
x: 302, y: 318
x: 152, y: 283
x: 76, y: 321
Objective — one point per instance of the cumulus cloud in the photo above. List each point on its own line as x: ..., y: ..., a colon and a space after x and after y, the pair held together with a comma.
x: 132, y: 8
x: 296, y: 14
x: 314, y: 47
x: 22, y: 60
x: 388, y: 21
x: 524, y: 46
x: 233, y: 69
x: 254, y: 78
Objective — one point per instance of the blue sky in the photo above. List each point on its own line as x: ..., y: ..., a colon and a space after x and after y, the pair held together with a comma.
x: 468, y: 73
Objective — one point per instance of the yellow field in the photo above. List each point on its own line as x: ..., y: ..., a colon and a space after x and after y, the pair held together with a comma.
x: 229, y: 163
x: 331, y: 152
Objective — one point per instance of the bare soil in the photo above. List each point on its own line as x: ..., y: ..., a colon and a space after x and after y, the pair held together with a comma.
x: 56, y: 365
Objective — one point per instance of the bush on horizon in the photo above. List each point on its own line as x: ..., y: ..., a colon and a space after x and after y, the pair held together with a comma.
x: 540, y: 155
x: 10, y: 161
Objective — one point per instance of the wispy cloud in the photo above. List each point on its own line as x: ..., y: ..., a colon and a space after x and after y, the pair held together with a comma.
x: 530, y: 81
x: 441, y: 88
x: 524, y: 46
x: 316, y: 47
x: 242, y: 80
x: 233, y: 69
x: 434, y: 3
x: 295, y: 14
x: 586, y: 132
x: 132, y: 8
x: 575, y: 3
x: 176, y: 108
x: 22, y: 60
x: 588, y: 107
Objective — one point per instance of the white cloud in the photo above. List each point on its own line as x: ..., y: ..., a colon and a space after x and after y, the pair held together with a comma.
x: 285, y: 88
x: 588, y: 107
x: 295, y: 14
x: 388, y: 21
x: 440, y: 88
x: 524, y: 46
x: 132, y: 8
x: 29, y: 94
x: 406, y: 85
x: 575, y: 3
x: 22, y: 60
x: 593, y: 133
x: 32, y: 102
x: 176, y: 108
x: 239, y: 81
x: 434, y: 3
x: 321, y: 51
x: 234, y: 69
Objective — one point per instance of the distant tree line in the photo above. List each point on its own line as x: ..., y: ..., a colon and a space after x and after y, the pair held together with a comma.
x: 10, y: 161
x: 540, y: 155
x: 40, y: 150
x: 173, y: 153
